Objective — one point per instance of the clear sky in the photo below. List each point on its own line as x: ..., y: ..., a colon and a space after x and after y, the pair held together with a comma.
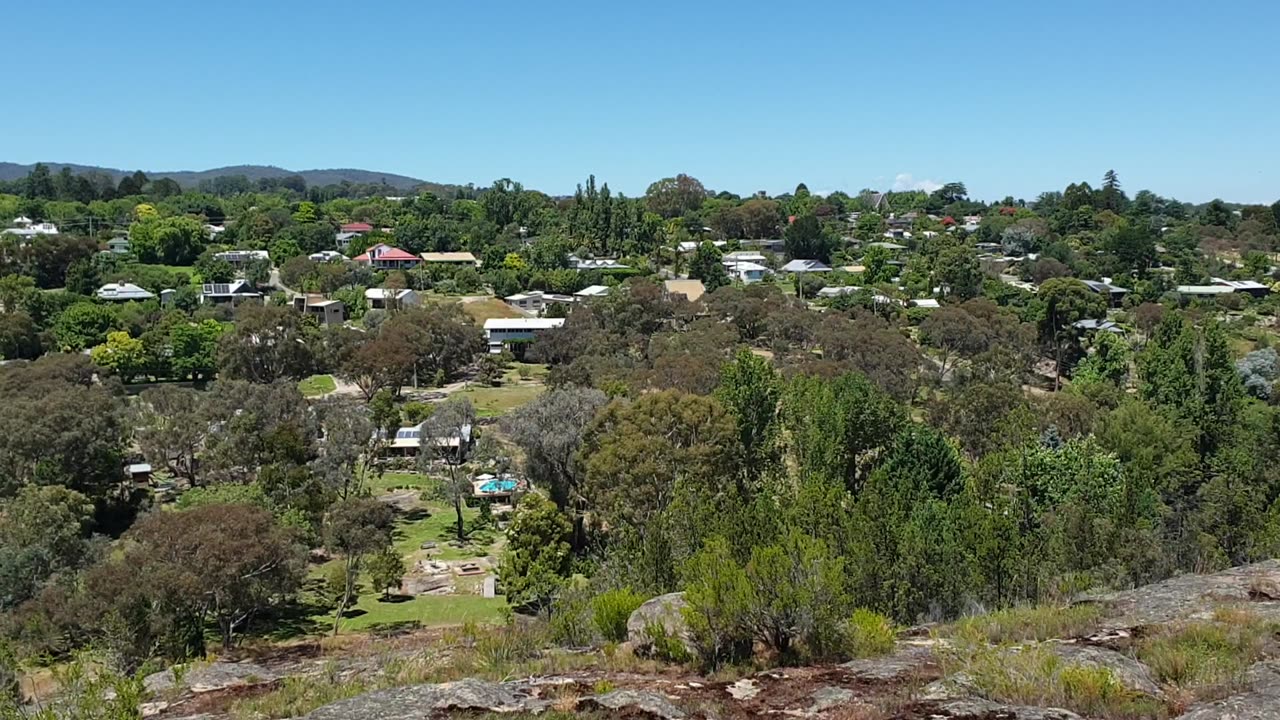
x: 1010, y: 97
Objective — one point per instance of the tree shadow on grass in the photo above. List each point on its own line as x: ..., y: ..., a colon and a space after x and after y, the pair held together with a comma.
x: 415, y: 515
x: 394, y: 599
x: 400, y: 627
x: 291, y: 620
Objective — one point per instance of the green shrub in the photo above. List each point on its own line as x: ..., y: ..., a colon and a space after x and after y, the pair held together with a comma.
x: 666, y: 646
x: 869, y: 634
x: 611, y: 610
x: 571, y: 624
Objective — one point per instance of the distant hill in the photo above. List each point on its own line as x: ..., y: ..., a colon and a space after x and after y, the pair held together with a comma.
x: 192, y: 178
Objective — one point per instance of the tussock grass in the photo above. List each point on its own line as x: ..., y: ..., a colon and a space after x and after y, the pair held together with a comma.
x: 1035, y: 675
x: 1022, y: 624
x: 1207, y: 659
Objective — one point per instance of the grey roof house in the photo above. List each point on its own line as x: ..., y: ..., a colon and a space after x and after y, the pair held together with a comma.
x: 123, y: 292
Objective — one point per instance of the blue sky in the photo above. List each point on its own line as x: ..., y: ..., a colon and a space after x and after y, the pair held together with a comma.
x: 1009, y: 97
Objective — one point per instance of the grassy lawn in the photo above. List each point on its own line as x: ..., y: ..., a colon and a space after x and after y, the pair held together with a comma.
x: 430, y: 521
x: 398, y: 481
x: 317, y: 385
x: 498, y: 401
x: 371, y: 612
x: 482, y: 310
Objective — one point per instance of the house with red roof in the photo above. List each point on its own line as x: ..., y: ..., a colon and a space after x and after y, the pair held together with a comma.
x: 357, y: 227
x: 385, y: 257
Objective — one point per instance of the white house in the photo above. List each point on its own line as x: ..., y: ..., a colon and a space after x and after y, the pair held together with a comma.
x: 500, y: 331
x: 122, y: 292
x: 327, y: 256
x: 118, y: 246
x: 342, y: 240
x: 385, y: 257
x: 832, y: 292
x: 26, y: 229
x: 745, y: 272
x: 601, y: 264
x: 592, y: 291
x: 390, y: 299
x: 535, y: 301
x: 688, y: 246
x: 242, y: 257
x: 408, y: 440
x: 805, y: 266
x: 754, y: 256
x: 1248, y: 287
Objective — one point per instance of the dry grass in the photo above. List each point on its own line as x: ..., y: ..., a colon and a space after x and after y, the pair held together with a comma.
x: 1208, y: 659
x: 1035, y: 675
x: 481, y: 310
x: 1040, y: 622
x: 515, y: 650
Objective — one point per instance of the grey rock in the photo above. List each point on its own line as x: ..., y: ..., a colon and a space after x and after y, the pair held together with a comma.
x: 1131, y: 673
x: 744, y: 689
x: 416, y: 702
x: 830, y: 697
x: 975, y: 709
x: 904, y: 662
x: 208, y: 677
x: 1188, y: 596
x: 1260, y: 702
x: 665, y: 610
x: 952, y: 687
x: 636, y: 702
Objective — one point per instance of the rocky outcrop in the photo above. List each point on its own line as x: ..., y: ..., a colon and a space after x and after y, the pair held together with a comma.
x: 1194, y: 596
x: 418, y: 702
x: 828, y: 698
x: 633, y: 703
x: 1260, y: 701
x: 904, y: 663
x: 973, y: 709
x: 664, y: 610
x: 1131, y: 673
x: 208, y: 677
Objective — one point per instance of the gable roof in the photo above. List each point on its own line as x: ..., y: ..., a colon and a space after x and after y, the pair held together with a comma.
x: 123, y: 291
x: 449, y: 257
x: 386, y: 293
x: 383, y: 251
x: 235, y: 287
x: 357, y: 227
x: 801, y: 266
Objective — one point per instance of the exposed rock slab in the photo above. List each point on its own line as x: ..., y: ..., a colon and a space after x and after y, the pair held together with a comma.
x: 905, y: 662
x: 208, y: 677
x: 665, y: 610
x: 1131, y: 673
x: 634, y: 703
x: 830, y: 697
x: 1260, y: 702
x: 1191, y: 596
x: 743, y: 689
x: 418, y: 702
x: 975, y: 709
